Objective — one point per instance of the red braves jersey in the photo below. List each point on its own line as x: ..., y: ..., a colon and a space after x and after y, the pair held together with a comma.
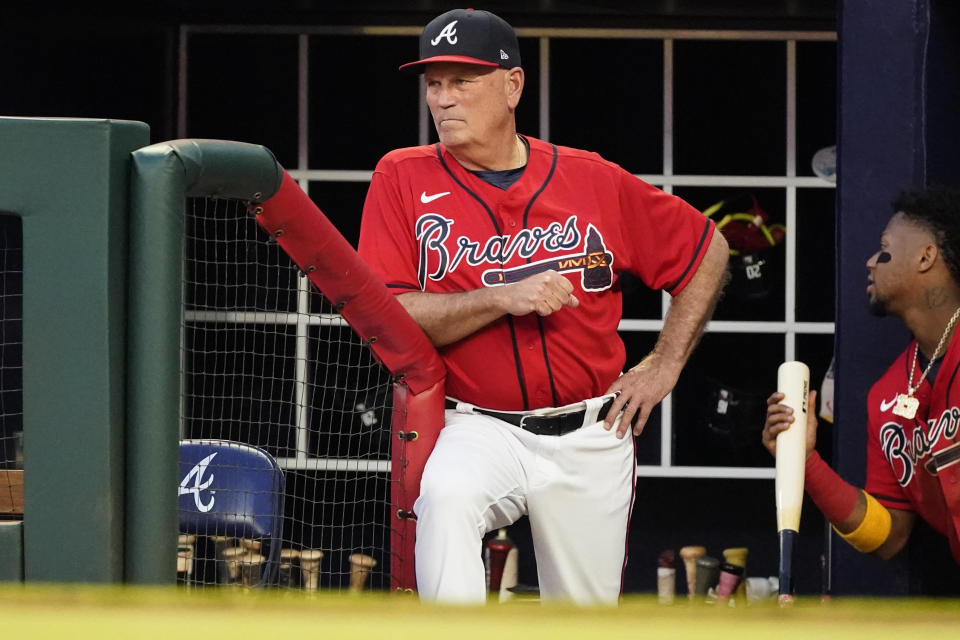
x: 431, y: 225
x: 899, y: 450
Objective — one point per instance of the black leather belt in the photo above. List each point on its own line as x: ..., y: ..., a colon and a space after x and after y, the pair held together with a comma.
x: 555, y: 425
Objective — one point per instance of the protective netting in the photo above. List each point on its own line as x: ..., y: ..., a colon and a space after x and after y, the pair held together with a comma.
x: 11, y: 367
x: 267, y: 362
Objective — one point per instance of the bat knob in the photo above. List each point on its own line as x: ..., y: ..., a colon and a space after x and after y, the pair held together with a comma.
x: 310, y: 568
x: 360, y: 565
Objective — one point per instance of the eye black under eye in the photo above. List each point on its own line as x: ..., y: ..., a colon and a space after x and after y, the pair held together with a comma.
x: 883, y: 256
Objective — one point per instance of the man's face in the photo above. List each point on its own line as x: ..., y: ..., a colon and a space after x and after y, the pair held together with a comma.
x: 891, y: 269
x: 470, y: 104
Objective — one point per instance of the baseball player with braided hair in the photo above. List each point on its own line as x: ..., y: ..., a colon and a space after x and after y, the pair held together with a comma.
x: 913, y: 410
x: 507, y: 251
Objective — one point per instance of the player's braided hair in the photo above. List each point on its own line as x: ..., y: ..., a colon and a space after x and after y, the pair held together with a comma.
x: 937, y: 209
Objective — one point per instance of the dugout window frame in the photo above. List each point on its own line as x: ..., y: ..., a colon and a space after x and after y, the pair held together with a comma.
x: 794, y: 182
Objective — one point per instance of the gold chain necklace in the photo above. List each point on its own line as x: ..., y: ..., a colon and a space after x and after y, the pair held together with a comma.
x: 906, y: 405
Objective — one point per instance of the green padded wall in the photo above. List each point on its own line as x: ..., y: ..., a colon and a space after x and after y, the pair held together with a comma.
x: 163, y: 175
x: 69, y: 180
x: 11, y: 551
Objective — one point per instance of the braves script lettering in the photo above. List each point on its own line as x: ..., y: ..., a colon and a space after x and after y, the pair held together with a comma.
x: 903, y: 452
x: 433, y: 230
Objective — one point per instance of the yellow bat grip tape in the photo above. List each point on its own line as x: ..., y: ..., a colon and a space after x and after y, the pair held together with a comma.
x: 873, y: 531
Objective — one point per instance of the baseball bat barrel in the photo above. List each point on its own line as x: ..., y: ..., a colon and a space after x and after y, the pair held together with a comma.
x: 508, y: 579
x: 360, y: 565
x: 310, y: 568
x: 666, y: 577
x: 793, y: 381
x: 185, y: 553
x: 708, y: 573
x: 497, y: 550
x: 737, y: 556
x: 286, y: 570
x: 251, y: 568
x: 689, y: 555
x: 250, y: 544
x: 233, y: 556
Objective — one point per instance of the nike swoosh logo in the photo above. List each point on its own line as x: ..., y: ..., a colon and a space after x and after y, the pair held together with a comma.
x: 884, y: 405
x: 425, y: 199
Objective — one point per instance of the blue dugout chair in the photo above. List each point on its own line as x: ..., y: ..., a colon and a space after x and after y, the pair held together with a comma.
x: 232, y: 489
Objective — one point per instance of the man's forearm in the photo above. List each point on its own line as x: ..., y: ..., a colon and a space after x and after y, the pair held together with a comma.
x: 691, y: 309
x: 448, y: 317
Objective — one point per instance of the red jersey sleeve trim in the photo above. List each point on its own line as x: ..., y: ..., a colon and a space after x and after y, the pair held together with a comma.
x: 675, y: 288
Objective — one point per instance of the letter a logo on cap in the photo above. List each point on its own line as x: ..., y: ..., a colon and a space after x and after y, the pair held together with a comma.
x: 447, y: 32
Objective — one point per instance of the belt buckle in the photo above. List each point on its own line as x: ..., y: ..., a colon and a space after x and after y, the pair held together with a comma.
x: 523, y: 421
x: 546, y: 427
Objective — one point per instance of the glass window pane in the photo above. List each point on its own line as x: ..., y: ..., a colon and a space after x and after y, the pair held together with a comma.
x: 719, y: 404
x: 756, y: 290
x: 817, y: 352
x: 342, y: 203
x: 528, y: 111
x: 81, y: 71
x: 816, y: 255
x: 238, y: 384
x: 639, y: 344
x: 361, y: 110
x: 349, y: 396
x: 729, y: 108
x: 816, y: 101
x: 615, y: 109
x: 244, y: 87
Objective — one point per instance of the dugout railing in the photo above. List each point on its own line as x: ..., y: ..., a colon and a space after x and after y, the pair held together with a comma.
x: 164, y: 178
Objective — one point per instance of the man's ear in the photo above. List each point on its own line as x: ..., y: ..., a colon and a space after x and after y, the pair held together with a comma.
x: 928, y: 257
x: 513, y: 86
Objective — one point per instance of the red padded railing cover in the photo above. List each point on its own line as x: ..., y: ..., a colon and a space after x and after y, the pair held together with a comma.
x: 398, y: 342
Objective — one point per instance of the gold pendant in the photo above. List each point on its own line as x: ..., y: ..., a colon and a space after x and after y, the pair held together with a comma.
x: 906, y: 406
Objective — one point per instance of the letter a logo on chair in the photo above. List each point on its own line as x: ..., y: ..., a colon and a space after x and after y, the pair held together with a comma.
x: 198, y: 484
x: 447, y: 32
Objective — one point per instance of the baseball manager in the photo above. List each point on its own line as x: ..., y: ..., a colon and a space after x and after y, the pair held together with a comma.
x: 507, y: 251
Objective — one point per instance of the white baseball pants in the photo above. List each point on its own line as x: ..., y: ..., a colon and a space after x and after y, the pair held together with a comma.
x: 484, y: 474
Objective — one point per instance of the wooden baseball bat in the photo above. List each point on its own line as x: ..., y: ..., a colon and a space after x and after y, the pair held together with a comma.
x: 508, y: 579
x: 737, y: 556
x: 666, y: 576
x: 689, y: 555
x: 360, y: 566
x: 286, y: 576
x: 232, y: 556
x: 310, y: 568
x: 497, y: 550
x: 251, y: 568
x: 793, y: 381
x: 185, y: 553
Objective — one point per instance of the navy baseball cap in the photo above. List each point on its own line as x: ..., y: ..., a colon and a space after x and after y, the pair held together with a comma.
x: 469, y: 36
